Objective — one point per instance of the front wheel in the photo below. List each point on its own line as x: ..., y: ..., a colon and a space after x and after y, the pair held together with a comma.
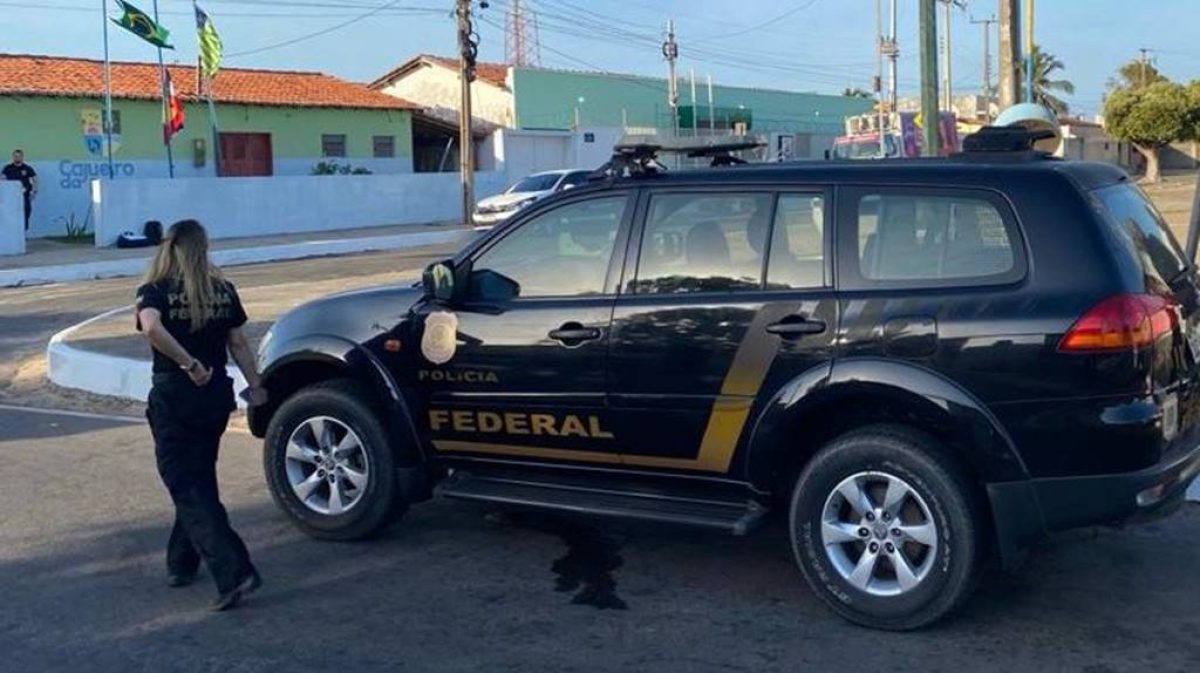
x: 886, y: 529
x: 328, y: 462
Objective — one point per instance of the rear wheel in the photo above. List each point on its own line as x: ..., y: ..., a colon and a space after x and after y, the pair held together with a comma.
x: 329, y: 464
x: 886, y: 528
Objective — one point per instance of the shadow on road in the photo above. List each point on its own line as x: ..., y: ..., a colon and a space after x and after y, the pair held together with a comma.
x: 455, y: 586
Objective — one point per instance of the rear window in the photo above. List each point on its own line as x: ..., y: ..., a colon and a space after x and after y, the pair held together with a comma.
x: 1142, y: 226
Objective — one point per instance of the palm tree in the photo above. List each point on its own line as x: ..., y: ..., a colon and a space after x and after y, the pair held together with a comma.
x: 1045, y: 66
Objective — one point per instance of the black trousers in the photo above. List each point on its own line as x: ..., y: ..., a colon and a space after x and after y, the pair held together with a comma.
x: 187, y: 423
x: 28, y: 208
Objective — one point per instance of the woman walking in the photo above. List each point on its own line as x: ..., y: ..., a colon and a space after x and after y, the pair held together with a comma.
x: 193, y: 319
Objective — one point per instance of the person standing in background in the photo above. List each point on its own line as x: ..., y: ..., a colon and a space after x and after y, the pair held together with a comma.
x: 19, y: 170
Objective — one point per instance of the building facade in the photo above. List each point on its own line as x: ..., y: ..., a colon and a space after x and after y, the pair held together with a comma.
x: 607, y: 104
x: 269, y: 123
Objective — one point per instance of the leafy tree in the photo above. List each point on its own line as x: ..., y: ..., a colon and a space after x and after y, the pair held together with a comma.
x: 1151, y: 117
x: 1045, y: 66
x: 857, y: 93
x: 1131, y: 76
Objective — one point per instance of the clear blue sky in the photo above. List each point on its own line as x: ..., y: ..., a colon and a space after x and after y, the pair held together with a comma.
x: 819, y: 45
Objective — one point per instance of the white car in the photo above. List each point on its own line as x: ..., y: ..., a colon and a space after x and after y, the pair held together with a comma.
x: 496, y: 209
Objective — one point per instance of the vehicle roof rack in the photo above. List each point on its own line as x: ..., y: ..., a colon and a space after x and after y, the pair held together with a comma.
x: 638, y: 155
x: 1004, y: 139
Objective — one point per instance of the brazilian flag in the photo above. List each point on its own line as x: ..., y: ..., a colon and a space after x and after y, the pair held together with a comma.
x: 139, y: 23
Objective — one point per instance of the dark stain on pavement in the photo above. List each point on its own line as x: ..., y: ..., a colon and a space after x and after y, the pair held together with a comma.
x: 592, y: 556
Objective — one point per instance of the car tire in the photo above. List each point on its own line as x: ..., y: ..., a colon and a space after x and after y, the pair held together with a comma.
x: 916, y: 574
x: 357, y: 443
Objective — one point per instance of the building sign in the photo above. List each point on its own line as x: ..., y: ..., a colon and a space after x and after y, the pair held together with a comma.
x: 76, y: 174
x: 92, y: 123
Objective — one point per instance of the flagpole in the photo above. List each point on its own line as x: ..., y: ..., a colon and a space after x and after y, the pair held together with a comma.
x: 108, y: 118
x: 162, y: 85
x: 212, y: 108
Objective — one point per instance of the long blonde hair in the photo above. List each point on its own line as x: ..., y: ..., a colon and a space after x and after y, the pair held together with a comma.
x: 183, y: 257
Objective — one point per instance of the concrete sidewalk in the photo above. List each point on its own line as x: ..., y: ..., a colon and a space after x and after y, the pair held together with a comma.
x: 51, y: 261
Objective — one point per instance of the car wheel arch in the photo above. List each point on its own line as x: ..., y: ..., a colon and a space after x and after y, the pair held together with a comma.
x: 304, y: 362
x: 867, y: 390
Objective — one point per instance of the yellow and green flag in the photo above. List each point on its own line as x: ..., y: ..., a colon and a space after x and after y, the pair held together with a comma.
x: 210, y: 44
x: 139, y: 23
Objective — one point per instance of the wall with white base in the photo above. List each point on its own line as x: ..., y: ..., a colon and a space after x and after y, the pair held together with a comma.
x: 12, y: 219
x: 237, y: 207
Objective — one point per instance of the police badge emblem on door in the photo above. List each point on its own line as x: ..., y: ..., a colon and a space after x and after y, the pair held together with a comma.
x: 440, y: 338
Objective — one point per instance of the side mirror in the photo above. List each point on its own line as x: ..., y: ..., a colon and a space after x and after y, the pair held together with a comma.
x: 568, y: 186
x: 438, y: 281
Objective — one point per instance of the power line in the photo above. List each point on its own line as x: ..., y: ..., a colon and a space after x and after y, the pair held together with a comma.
x: 309, y: 36
x: 764, y: 24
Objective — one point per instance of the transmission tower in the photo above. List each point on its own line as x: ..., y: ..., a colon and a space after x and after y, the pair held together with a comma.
x: 521, y: 44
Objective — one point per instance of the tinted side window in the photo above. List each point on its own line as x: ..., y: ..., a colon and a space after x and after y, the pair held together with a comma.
x: 927, y: 237
x: 703, y: 243
x: 1141, y: 225
x: 798, y: 243
x: 560, y: 253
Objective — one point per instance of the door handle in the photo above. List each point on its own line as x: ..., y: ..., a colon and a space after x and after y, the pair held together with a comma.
x: 573, y: 333
x: 796, y: 327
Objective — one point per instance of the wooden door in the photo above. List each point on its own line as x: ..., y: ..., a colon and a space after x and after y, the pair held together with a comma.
x: 245, y: 154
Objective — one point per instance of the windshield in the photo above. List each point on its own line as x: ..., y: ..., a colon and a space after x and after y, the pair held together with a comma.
x: 535, y: 183
x: 1143, y: 227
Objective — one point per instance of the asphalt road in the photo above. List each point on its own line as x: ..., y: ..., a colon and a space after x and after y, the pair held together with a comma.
x: 458, y: 587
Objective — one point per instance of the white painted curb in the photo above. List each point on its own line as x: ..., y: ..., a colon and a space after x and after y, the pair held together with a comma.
x: 133, y: 266
x: 102, y: 374
x: 130, y: 379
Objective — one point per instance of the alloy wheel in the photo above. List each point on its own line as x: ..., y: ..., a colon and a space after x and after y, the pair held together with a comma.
x: 879, y: 533
x: 327, y: 465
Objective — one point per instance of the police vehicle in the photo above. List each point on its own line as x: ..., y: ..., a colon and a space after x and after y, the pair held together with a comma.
x: 921, y: 365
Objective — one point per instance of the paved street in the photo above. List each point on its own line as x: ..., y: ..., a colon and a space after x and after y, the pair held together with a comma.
x: 452, y: 587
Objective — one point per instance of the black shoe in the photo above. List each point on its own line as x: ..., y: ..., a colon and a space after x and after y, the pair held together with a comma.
x: 177, y: 580
x: 251, y: 583
x: 226, y: 601
x: 233, y: 597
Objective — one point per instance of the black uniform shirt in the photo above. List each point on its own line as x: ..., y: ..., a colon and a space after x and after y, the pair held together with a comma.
x: 24, y: 173
x: 209, y: 344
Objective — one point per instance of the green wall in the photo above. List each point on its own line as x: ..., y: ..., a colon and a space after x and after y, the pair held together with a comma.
x: 50, y: 128
x: 548, y: 98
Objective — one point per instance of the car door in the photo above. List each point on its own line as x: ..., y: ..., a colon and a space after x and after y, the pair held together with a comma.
x: 704, y: 324
x: 526, y: 377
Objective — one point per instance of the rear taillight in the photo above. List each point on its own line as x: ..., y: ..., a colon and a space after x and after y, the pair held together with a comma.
x: 1120, y: 322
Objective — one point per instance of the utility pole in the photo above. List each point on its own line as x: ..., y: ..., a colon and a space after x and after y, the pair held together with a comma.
x: 893, y: 54
x: 670, y: 50
x: 947, y: 87
x: 1009, y: 92
x: 880, y: 47
x: 695, y: 121
x: 1028, y: 42
x: 467, y: 51
x: 930, y: 119
x: 1144, y: 59
x: 712, y: 124
x: 986, y: 91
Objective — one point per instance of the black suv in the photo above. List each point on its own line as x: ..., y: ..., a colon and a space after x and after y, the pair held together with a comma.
x: 924, y: 363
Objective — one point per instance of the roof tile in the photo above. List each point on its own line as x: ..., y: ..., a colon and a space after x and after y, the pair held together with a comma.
x: 30, y: 75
